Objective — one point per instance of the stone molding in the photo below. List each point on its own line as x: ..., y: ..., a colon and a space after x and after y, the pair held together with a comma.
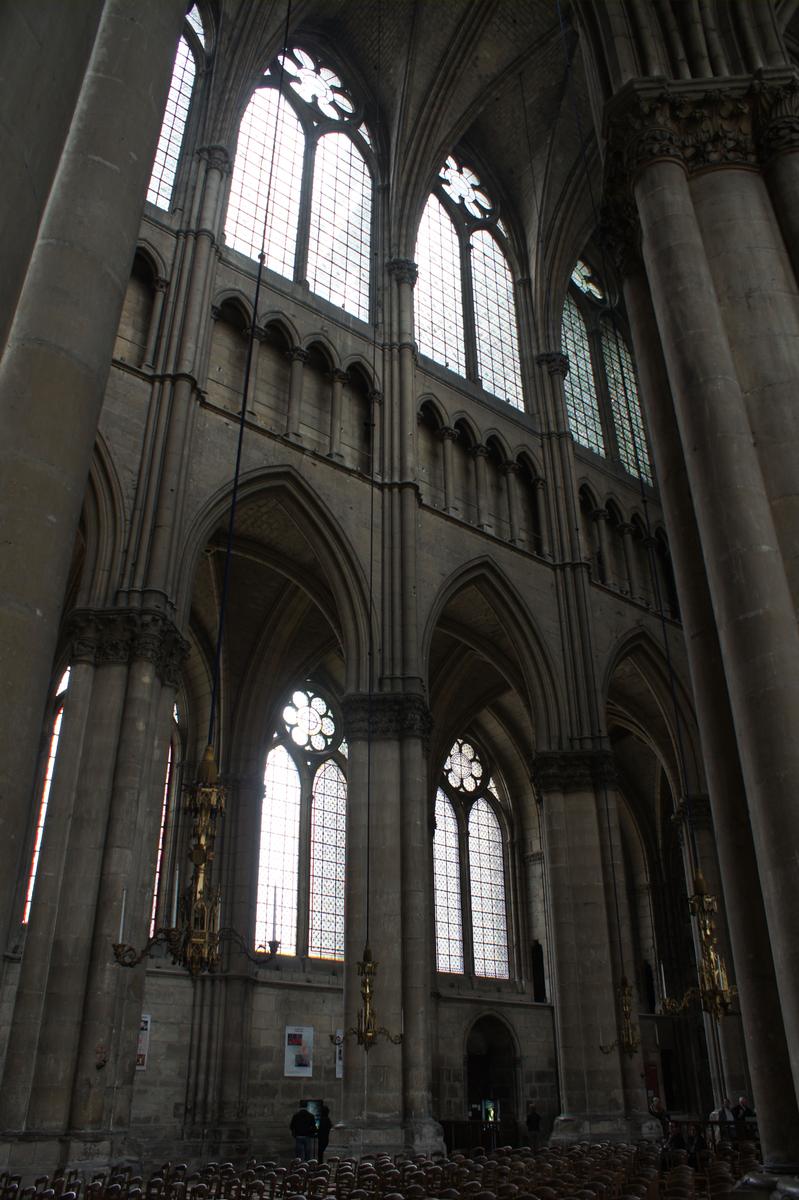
x: 555, y: 362
x: 573, y: 770
x: 121, y: 635
x: 403, y: 270
x: 386, y: 715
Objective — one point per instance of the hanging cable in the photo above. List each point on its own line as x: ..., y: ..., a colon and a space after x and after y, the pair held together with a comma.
x: 245, y: 392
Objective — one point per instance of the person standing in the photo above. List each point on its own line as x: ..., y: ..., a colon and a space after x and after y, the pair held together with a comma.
x: 303, y: 1129
x: 325, y: 1125
x: 533, y: 1125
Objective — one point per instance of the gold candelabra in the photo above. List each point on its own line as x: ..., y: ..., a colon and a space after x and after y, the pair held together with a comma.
x: 367, y: 1030
x: 713, y: 992
x: 195, y: 941
x: 630, y: 1040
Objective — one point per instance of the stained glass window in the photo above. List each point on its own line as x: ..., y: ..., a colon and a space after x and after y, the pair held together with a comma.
x: 159, y: 859
x: 459, y: 253
x: 582, y: 406
x: 495, y: 320
x: 447, y: 888
x: 341, y: 218
x: 437, y: 295
x: 285, y: 134
x: 167, y: 154
x: 467, y: 788
x: 303, y: 831
x: 487, y: 879
x: 44, y: 796
x: 195, y: 20
x: 328, y: 841
x: 585, y: 279
x: 625, y: 404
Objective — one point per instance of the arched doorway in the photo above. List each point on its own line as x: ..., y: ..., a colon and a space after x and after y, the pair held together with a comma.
x: 491, y: 1063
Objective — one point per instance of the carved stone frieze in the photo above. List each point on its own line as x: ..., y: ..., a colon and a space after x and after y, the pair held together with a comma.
x: 573, y: 770
x: 386, y: 715
x: 120, y: 635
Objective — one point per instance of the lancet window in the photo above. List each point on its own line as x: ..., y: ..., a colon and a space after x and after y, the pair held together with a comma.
x: 166, y: 830
x: 190, y: 53
x: 464, y: 302
x: 469, y: 869
x: 302, y: 182
x: 301, y: 873
x: 602, y: 402
x: 54, y: 734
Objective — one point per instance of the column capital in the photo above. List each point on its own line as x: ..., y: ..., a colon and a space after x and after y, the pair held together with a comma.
x: 555, y: 362
x: 510, y: 467
x: 694, y: 809
x: 217, y: 157
x: 599, y: 514
x: 403, y: 270
x: 573, y: 770
x: 120, y: 635
x: 160, y: 284
x: 448, y: 433
x: 386, y: 715
x: 339, y: 376
x: 776, y: 114
x: 298, y: 354
x: 479, y: 451
x: 375, y: 396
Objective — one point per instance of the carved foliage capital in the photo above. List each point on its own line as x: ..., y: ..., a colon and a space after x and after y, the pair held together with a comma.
x: 386, y: 716
x: 777, y: 117
x: 120, y: 635
x: 404, y: 270
x: 573, y: 770
x: 554, y: 362
x: 217, y: 157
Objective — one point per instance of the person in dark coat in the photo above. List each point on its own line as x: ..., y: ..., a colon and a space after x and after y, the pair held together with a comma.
x: 533, y: 1125
x: 325, y: 1125
x: 694, y: 1143
x: 303, y: 1129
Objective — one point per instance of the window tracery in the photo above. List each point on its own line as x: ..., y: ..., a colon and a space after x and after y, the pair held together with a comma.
x: 301, y: 873
x: 303, y: 165
x: 464, y: 299
x: 469, y: 869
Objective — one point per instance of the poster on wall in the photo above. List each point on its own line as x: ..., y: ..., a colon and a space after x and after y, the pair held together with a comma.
x: 143, y: 1046
x: 339, y: 1054
x: 298, y: 1051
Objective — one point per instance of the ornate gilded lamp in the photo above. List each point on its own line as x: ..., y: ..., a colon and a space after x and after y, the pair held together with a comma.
x: 629, y: 1039
x: 713, y: 991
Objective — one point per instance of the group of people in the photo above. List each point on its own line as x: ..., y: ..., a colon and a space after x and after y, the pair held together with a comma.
x: 728, y: 1122
x: 304, y: 1129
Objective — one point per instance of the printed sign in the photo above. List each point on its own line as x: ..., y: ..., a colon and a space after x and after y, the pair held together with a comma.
x: 143, y: 1047
x: 298, y: 1051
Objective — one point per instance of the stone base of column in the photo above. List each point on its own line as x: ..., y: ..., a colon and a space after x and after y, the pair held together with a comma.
x: 32, y: 1154
x: 424, y: 1136
x: 605, y: 1127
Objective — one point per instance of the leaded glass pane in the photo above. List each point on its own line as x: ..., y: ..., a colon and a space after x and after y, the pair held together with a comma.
x: 464, y: 187
x: 487, y: 877
x: 195, y: 20
x: 44, y: 798
x: 268, y: 123
x: 309, y: 721
x: 625, y: 404
x: 495, y: 320
x: 437, y: 295
x: 341, y: 218
x: 317, y: 85
x: 582, y: 407
x: 328, y: 849
x: 159, y: 858
x: 587, y: 281
x: 447, y: 888
x: 278, y: 867
x: 162, y: 178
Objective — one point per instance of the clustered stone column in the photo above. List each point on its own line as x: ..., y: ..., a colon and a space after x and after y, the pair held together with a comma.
x: 727, y: 430
x: 387, y: 1091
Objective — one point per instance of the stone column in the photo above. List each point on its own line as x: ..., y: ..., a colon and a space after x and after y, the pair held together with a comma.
x: 583, y: 994
x: 252, y: 390
x: 600, y: 518
x: 539, y: 499
x: 376, y: 442
x: 777, y: 127
x: 448, y: 437
x: 767, y: 1050
x: 746, y: 574
x: 151, y: 346
x: 55, y: 366
x: 479, y: 455
x: 510, y: 473
x: 339, y: 378
x: 627, y: 532
x: 298, y: 358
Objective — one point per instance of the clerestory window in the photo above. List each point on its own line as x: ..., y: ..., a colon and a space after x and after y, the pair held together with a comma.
x: 469, y: 869
x: 301, y: 873
x: 465, y: 312
x: 602, y: 403
x: 302, y: 182
x: 54, y: 733
x: 190, y: 53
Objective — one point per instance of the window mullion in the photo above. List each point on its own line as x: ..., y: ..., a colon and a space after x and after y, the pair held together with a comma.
x: 466, y: 899
x: 304, y: 220
x: 467, y: 291
x: 304, y: 871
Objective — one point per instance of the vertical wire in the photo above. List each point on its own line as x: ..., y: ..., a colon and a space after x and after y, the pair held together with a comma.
x: 245, y: 391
